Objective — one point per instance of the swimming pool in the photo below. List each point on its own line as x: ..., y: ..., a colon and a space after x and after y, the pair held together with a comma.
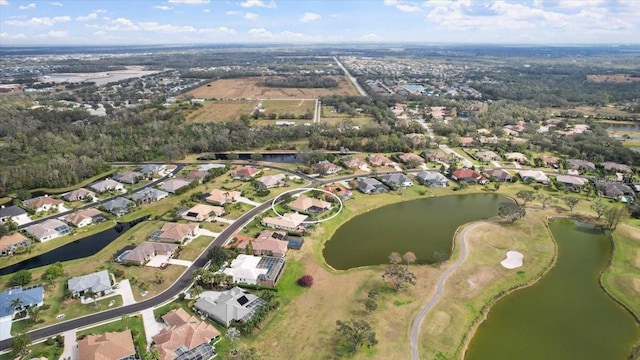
x: 122, y: 255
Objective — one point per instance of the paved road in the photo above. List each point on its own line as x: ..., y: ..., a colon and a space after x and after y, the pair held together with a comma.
x: 465, y: 162
x: 353, y: 80
x: 417, y: 322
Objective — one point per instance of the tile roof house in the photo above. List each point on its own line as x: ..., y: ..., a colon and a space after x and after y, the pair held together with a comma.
x: 232, y: 305
x: 197, y: 175
x: 572, y: 182
x: 13, y: 213
x: 499, y: 175
x: 308, y: 204
x: 487, y: 155
x: 271, y: 181
x: 533, y: 175
x: 245, y: 173
x: 9, y: 244
x: 183, y: 334
x: 396, y: 180
x: 613, y: 166
x: 106, y: 185
x: 584, y: 165
x: 78, y: 195
x: 221, y: 197
x: 466, y: 141
x: 107, y: 346
x: 48, y: 230
x: 407, y: 158
x: 550, y: 161
x: 149, y: 195
x: 97, y: 282
x: 129, y: 177
x: 201, y: 212
x: 146, y: 251
x: 435, y: 156
x: 469, y: 176
x: 84, y: 217
x: 379, y: 160
x: 325, y: 168
x: 352, y: 163
x: 118, y: 206
x: 371, y: 186
x: 517, y: 157
x: 431, y: 178
x: 174, y: 185
x: 175, y: 233
x: 342, y: 193
x: 270, y: 243
x: 615, y: 190
x: 43, y: 203
x: 288, y: 221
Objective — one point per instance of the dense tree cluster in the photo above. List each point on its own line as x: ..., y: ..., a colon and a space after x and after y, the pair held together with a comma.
x: 301, y: 82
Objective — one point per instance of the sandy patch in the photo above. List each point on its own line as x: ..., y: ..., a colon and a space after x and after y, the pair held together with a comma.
x: 513, y: 260
x: 437, y: 323
x: 478, y: 280
x: 636, y: 284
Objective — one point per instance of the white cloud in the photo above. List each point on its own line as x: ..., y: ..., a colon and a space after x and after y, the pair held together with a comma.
x: 122, y: 24
x: 309, y: 16
x: 260, y: 33
x: 92, y: 16
x: 27, y: 7
x: 189, y: 2
x: 251, y: 16
x: 371, y: 37
x: 219, y: 30
x: 6, y: 35
x: 55, y: 3
x: 4, y: 2
x: 156, y: 27
x: 55, y: 34
x: 257, y: 3
x: 163, y: 7
x: 403, y: 6
x: 231, y: 13
x: 206, y: 11
x: 39, y: 21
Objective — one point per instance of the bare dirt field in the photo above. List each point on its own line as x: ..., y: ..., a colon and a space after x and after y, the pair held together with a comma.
x: 251, y: 88
x: 293, y: 107
x: 221, y: 111
x: 613, y: 78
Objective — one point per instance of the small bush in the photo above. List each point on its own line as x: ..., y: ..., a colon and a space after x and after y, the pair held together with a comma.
x: 305, y: 281
x: 118, y: 272
x: 50, y: 341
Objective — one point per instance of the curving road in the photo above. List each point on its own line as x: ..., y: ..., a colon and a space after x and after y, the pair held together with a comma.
x: 417, y: 322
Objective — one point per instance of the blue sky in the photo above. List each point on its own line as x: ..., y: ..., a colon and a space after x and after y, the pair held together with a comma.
x: 128, y: 22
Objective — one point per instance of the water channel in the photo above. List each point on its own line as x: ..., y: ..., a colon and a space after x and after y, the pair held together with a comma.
x: 424, y: 226
x: 78, y: 249
x: 565, y: 315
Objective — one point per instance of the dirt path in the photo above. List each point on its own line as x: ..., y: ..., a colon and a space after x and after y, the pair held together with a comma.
x: 415, y: 329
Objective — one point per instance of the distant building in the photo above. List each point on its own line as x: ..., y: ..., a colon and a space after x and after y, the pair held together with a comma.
x: 10, y: 244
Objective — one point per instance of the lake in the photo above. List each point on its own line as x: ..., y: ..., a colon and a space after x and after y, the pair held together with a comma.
x: 565, y: 315
x: 424, y: 226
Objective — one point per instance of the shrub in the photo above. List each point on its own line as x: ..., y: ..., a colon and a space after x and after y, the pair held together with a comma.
x: 118, y: 272
x: 50, y: 341
x: 305, y: 281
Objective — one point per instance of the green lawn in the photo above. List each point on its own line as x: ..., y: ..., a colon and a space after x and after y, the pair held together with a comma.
x: 195, y: 247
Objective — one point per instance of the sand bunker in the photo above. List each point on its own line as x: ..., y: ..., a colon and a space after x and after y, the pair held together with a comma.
x: 513, y: 260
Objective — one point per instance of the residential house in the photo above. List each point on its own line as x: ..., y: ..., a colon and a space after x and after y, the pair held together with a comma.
x: 379, y: 160
x: 468, y: 176
x: 411, y: 158
x: 615, y: 190
x: 43, y: 203
x: 342, y: 193
x: 28, y: 297
x: 487, y: 155
x: 466, y: 141
x: 48, y: 230
x: 10, y: 244
x: 201, y: 212
x: 288, y: 222
x: 520, y: 158
x: 549, y: 161
x: 152, y: 169
x: 352, y: 163
x: 175, y: 233
x: 499, y: 175
x: 431, y: 178
x: 484, y: 140
x: 308, y: 204
x: 582, y: 165
x: 148, y: 195
x: 396, y: 181
x: 271, y: 181
x: 118, y: 206
x: 174, y: 185
x: 255, y: 270
x: 106, y: 185
x: 84, y: 217
x: 13, y: 213
x: 129, y: 177
x: 146, y: 251
x: 269, y: 243
x: 79, y: 195
x: 232, y: 305
x: 616, y: 167
x: 325, y: 168
x: 184, y: 337
x: 245, y: 173
x: 97, y: 283
x: 197, y: 175
x: 533, y: 175
x: 207, y: 167
x: 435, y: 156
x: 371, y: 186
x: 221, y: 197
x: 107, y: 346
x: 572, y: 182
x: 516, y: 141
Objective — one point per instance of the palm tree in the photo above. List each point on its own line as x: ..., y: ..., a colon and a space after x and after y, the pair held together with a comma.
x: 16, y: 304
x: 195, y: 291
x: 34, y: 314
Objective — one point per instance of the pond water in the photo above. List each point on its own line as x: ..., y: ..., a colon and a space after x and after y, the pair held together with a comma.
x: 565, y: 315
x: 78, y: 249
x: 424, y: 226
x: 288, y: 158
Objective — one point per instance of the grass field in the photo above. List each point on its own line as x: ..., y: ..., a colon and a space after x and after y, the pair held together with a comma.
x: 293, y: 107
x: 213, y: 111
x: 622, y: 278
x: 251, y: 88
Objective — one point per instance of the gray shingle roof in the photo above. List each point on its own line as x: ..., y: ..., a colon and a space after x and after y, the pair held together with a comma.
x: 96, y: 282
x: 11, y: 211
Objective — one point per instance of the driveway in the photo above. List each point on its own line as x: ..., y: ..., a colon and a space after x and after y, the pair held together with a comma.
x: 70, y: 346
x: 465, y: 162
x: 221, y: 219
x: 205, y: 232
x: 247, y: 201
x: 151, y: 326
x: 124, y: 289
x: 179, y: 262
